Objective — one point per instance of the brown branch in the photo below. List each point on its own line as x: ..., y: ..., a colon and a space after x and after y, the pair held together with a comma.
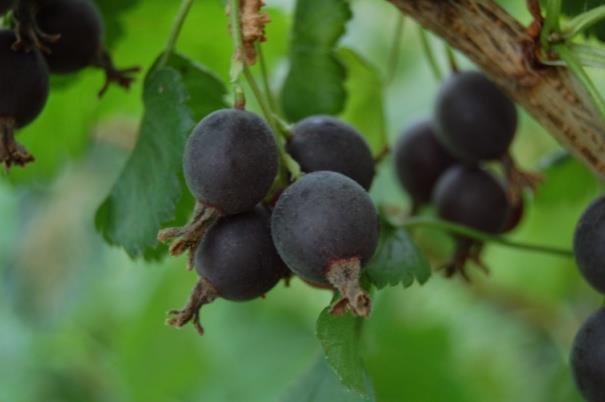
x: 506, y: 52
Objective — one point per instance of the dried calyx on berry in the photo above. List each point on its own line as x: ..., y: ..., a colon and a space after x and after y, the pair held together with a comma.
x: 325, y: 228
x: 230, y: 163
x: 23, y: 93
x: 472, y: 197
x: 236, y: 260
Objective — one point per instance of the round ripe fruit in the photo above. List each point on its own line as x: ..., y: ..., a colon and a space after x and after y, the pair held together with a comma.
x: 23, y: 94
x: 473, y: 118
x: 589, y: 244
x: 80, y: 27
x: 230, y: 161
x: 238, y: 258
x: 517, y: 210
x: 420, y: 160
x: 236, y: 261
x: 472, y: 197
x: 325, y: 143
x: 325, y: 228
x: 588, y: 358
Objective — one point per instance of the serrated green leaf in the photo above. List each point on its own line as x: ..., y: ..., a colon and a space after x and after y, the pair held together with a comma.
x: 339, y: 337
x: 315, y: 82
x: 147, y: 191
x: 320, y: 384
x: 397, y: 260
x: 365, y: 107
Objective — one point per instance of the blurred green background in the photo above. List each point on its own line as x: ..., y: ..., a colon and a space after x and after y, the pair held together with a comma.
x: 80, y: 321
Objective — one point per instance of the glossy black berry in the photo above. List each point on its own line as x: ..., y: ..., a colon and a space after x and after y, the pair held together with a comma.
x: 420, y: 160
x: 474, y: 119
x: 472, y: 197
x: 588, y: 358
x: 238, y: 258
x: 589, y: 244
x: 23, y: 82
x: 326, y: 143
x: 325, y: 228
x: 230, y: 161
x: 80, y: 27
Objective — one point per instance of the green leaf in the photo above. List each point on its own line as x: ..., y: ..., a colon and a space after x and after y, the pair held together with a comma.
x: 315, y: 82
x: 339, y: 337
x: 111, y: 11
x: 365, y: 107
x: 320, y: 384
x: 397, y: 260
x: 147, y: 191
x: 573, y: 8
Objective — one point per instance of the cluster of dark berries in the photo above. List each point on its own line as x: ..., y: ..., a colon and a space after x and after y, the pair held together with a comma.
x: 323, y: 227
x: 442, y: 160
x: 588, y: 352
x: 47, y: 37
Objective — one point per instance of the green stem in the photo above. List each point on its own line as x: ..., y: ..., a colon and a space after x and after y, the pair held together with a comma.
x: 576, y: 67
x: 262, y: 102
x: 582, y: 22
x: 237, y: 62
x: 486, y: 237
x: 395, y: 48
x: 265, y: 77
x: 551, y: 22
x: 451, y: 58
x: 176, y: 30
x: 428, y: 53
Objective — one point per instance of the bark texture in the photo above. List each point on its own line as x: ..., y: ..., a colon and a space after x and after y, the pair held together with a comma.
x: 504, y: 49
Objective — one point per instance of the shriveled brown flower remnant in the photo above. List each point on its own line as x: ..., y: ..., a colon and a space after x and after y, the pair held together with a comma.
x: 253, y: 23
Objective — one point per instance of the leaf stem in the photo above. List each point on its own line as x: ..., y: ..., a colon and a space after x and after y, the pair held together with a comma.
x: 583, y: 21
x: 574, y: 65
x: 395, y: 47
x: 551, y: 22
x: 482, y: 236
x: 428, y: 53
x: 176, y: 30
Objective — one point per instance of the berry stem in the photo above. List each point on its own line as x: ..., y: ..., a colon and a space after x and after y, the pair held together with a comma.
x: 176, y: 30
x: 344, y: 276
x: 238, y: 62
x: 265, y: 78
x: 451, y: 59
x: 429, y: 55
x: 482, y: 236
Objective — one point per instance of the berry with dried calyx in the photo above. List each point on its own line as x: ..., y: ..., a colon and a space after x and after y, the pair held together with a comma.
x: 236, y: 260
x: 78, y: 28
x: 326, y: 143
x: 229, y: 164
x: 23, y: 94
x: 325, y: 228
x: 472, y: 197
x: 420, y: 160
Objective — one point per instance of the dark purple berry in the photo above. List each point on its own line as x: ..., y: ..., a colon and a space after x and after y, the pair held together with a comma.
x: 472, y: 197
x: 238, y: 258
x: 588, y: 358
x: 236, y: 261
x: 325, y: 228
x: 23, y: 94
x: 326, y: 143
x: 420, y: 160
x: 230, y: 161
x: 80, y: 27
x: 474, y: 119
x: 589, y: 244
x: 515, y: 216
